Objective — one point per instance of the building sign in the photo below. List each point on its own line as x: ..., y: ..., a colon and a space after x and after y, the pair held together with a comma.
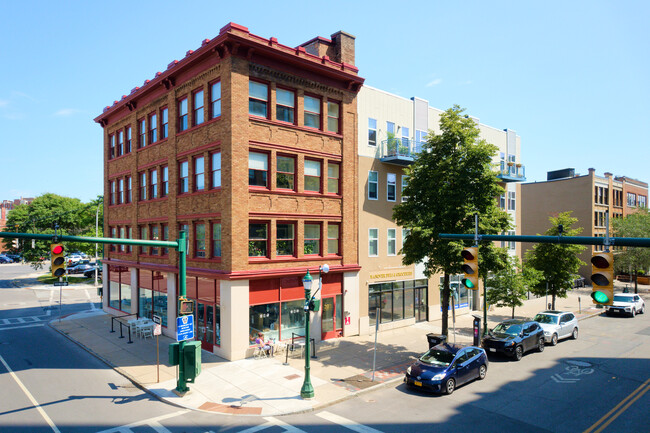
x: 391, y: 275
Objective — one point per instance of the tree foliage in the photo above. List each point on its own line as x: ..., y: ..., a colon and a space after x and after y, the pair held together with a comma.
x: 637, y: 259
x: 450, y: 180
x: 509, y: 286
x: 558, y: 263
x: 71, y: 215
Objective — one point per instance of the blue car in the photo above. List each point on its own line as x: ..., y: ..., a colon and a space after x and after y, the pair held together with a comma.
x: 446, y: 366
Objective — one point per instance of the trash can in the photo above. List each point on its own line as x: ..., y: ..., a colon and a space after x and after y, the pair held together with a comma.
x: 434, y: 339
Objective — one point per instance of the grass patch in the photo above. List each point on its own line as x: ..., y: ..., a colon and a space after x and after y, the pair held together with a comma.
x: 49, y: 279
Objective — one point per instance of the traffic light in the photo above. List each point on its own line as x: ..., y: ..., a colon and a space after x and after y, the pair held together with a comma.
x: 58, y: 261
x: 470, y: 267
x: 602, y: 278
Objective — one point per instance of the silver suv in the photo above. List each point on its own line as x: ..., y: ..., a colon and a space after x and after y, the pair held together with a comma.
x: 557, y: 325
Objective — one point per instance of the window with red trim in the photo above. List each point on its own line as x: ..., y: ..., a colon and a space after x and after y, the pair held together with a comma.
x: 153, y: 128
x: 128, y: 197
x: 197, y: 108
x: 285, y: 239
x: 258, y: 98
x: 164, y: 123
x: 258, y: 167
x: 285, y: 172
x: 113, y: 235
x: 333, y: 177
x: 199, y: 240
x: 257, y: 239
x: 216, y: 240
x: 127, y: 143
x: 154, y: 237
x: 312, y: 175
x: 333, y: 238
x: 182, y: 115
x: 153, y: 183
x: 142, y: 133
x: 142, y: 179
x: 312, y: 111
x: 165, y: 236
x: 122, y: 235
x: 129, y: 231
x: 111, y: 146
x: 215, y: 170
x: 333, y: 115
x: 285, y: 105
x: 143, y: 237
x: 120, y: 143
x: 112, y: 192
x: 312, y: 239
x: 199, y: 173
x: 120, y: 191
x: 164, y: 181
x: 183, y: 177
x: 215, y: 99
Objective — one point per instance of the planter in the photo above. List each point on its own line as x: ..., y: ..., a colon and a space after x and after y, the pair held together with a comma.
x: 641, y: 279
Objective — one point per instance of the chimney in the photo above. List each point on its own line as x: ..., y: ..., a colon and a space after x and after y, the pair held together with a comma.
x: 607, y: 174
x: 591, y: 171
x: 344, y: 47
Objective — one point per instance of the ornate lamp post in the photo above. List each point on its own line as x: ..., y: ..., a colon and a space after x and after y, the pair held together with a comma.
x: 307, y: 390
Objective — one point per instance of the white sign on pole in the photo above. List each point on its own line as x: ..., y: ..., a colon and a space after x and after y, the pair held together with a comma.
x: 157, y: 329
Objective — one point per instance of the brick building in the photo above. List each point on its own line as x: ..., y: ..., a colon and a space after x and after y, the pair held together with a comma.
x: 250, y: 146
x: 5, y: 207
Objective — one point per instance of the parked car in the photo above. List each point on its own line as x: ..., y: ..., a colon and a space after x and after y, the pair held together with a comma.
x: 445, y: 367
x: 73, y: 259
x: 5, y: 259
x: 90, y: 273
x: 557, y: 325
x: 514, y: 337
x: 626, y: 303
x: 79, y: 268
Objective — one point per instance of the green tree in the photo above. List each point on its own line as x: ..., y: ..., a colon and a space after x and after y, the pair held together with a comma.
x: 70, y: 215
x: 635, y: 225
x: 450, y: 180
x: 509, y: 286
x: 558, y: 263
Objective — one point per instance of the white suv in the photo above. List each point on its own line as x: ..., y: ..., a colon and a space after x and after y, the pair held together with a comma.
x: 557, y: 325
x: 626, y: 303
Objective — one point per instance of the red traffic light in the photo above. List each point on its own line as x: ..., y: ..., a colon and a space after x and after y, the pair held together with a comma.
x: 468, y: 254
x: 57, y: 249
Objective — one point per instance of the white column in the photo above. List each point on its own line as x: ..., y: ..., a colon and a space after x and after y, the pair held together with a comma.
x: 351, y: 295
x: 172, y: 299
x: 134, y: 290
x: 234, y: 320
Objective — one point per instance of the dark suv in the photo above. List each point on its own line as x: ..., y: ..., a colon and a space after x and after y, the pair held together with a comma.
x: 514, y: 337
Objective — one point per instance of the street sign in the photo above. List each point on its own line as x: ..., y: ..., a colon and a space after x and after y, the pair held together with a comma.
x: 184, y: 328
x: 156, y: 319
x: 60, y: 283
x: 157, y: 329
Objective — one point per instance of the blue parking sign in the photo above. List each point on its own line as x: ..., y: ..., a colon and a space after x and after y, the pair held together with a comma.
x: 184, y: 328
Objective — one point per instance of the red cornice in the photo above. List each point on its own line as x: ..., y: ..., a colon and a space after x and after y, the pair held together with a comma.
x: 293, y: 149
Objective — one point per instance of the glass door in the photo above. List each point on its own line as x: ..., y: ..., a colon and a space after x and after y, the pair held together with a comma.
x: 205, y: 325
x: 420, y: 304
x: 331, y: 319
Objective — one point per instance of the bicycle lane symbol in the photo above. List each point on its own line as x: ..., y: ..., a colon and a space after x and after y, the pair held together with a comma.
x: 573, y: 371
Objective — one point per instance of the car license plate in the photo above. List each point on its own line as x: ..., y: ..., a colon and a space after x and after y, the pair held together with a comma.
x: 492, y: 349
x: 416, y: 383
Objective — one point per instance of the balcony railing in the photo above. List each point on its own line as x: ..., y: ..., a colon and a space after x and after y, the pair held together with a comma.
x: 510, y: 172
x: 399, y: 151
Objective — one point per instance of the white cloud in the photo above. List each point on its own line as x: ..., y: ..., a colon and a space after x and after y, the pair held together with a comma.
x: 64, y: 112
x: 434, y: 82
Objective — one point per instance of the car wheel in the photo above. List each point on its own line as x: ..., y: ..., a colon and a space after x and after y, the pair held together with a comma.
x: 482, y: 372
x: 574, y: 334
x: 519, y: 353
x: 450, y: 385
x: 540, y: 345
x: 554, y: 340
x: 633, y: 312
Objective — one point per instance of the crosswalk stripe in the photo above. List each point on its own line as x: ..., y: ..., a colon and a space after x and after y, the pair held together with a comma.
x: 152, y: 422
x: 24, y: 326
x: 273, y: 422
x: 344, y: 422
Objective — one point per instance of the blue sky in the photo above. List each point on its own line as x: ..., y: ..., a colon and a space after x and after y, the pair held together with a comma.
x: 572, y: 78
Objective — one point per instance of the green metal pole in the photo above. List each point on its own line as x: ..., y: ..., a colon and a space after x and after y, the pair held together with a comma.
x: 307, y: 390
x: 181, y: 385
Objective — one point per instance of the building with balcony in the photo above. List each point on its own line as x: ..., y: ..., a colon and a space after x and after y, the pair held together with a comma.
x: 249, y: 146
x: 589, y: 197
x: 391, y: 132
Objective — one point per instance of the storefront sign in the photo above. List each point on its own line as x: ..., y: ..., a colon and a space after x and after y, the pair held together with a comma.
x: 391, y: 275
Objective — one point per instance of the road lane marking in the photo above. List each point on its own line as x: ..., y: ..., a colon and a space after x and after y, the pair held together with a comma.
x: 623, y: 406
x: 30, y: 396
x: 347, y: 423
x: 90, y: 301
x: 24, y: 326
x: 272, y: 422
x: 152, y: 422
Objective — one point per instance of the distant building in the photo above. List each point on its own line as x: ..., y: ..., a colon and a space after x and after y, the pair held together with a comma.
x: 588, y: 196
x: 5, y: 207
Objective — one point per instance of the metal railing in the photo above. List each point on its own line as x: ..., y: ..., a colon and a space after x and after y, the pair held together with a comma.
x: 128, y: 327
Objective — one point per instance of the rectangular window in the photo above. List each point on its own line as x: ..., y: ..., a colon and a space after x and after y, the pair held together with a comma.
x: 164, y: 182
x: 120, y: 143
x: 390, y: 128
x: 372, y: 132
x: 511, y: 200
x: 373, y: 185
x: 197, y: 108
x: 392, y: 242
x: 199, y: 240
x: 122, y: 235
x: 333, y: 177
x: 312, y: 239
x: 113, y: 231
x: 333, y: 234
x: 405, y: 233
x: 285, y: 239
x: 127, y: 144
x: 142, y: 133
x: 215, y: 170
x: 112, y: 192
x: 154, y: 237
x: 631, y: 199
x: 215, y: 100
x: 111, y: 146
x: 312, y: 112
x: 153, y: 128
x: 405, y: 182
x: 511, y: 244
x: 129, y: 235
x: 312, y: 175
x: 199, y: 174
x: 286, y: 168
x: 165, y: 237
x: 258, y: 97
x: 142, y: 177
x: 182, y: 115
x: 333, y: 114
x: 120, y: 191
x: 405, y: 135
x: 643, y: 201
x: 258, y: 167
x: 502, y: 201
x: 285, y: 106
x: 257, y: 240
x: 153, y: 183
x: 183, y: 177
x: 164, y: 123
x: 391, y: 186
x: 420, y: 139
x: 128, y: 197
x: 373, y: 242
x: 143, y: 236
x: 216, y: 240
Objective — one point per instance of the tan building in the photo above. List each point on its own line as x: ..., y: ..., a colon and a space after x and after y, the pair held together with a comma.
x: 589, y: 197
x: 391, y: 130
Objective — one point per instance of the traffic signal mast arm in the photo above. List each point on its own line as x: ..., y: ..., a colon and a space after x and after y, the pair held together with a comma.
x: 579, y: 240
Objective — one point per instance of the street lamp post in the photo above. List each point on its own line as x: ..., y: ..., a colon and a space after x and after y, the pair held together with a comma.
x: 307, y: 390
x: 96, y: 244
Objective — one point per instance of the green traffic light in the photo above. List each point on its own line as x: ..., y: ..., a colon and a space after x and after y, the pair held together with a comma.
x: 600, y: 297
x: 468, y: 283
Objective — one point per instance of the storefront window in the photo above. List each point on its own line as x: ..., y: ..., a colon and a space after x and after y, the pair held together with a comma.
x: 153, y: 295
x: 264, y: 319
x: 293, y: 318
x: 119, y: 295
x: 398, y: 300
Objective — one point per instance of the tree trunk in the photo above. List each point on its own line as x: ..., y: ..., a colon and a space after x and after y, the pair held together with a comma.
x: 513, y: 311
x: 636, y: 278
x: 553, y: 297
x: 445, y: 305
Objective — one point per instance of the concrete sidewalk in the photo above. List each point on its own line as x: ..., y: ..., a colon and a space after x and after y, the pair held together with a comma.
x: 342, y: 369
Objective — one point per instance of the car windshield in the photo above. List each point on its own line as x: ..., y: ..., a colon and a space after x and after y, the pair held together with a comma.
x: 436, y: 357
x: 545, y: 318
x: 507, y: 328
x: 621, y: 298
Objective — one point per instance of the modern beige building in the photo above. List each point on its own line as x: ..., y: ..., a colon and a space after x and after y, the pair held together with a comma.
x: 588, y: 196
x: 391, y: 132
